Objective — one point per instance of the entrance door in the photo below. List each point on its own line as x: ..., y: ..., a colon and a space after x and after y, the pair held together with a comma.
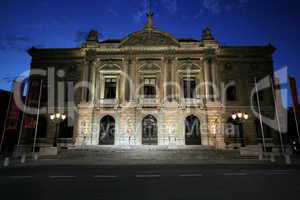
x: 107, y: 131
x: 192, y: 131
x: 149, y: 132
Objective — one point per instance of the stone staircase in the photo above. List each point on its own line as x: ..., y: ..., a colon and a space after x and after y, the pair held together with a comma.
x: 147, y: 154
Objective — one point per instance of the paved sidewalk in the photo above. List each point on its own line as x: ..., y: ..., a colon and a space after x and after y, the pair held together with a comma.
x: 123, y: 157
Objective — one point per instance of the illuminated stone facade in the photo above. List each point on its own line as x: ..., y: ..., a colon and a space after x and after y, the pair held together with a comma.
x: 153, y: 57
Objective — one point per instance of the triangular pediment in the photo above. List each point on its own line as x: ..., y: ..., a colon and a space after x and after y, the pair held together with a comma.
x: 149, y: 67
x: 189, y: 67
x: 149, y: 39
x: 110, y: 67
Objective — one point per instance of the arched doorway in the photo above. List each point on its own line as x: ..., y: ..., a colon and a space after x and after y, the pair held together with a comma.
x: 149, y: 132
x: 192, y: 131
x: 107, y: 131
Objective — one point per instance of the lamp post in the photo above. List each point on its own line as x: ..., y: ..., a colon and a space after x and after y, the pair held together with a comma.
x: 239, y: 118
x: 57, y: 118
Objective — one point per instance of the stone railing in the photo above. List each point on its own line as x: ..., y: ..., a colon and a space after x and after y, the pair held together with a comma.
x: 148, y: 102
x: 107, y: 103
x: 191, y: 102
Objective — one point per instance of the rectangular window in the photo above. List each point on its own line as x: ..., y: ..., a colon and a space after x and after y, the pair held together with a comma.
x: 110, y: 88
x: 150, y: 88
x: 189, y: 88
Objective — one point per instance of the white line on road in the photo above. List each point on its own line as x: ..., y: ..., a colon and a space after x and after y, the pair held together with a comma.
x: 57, y: 177
x: 281, y: 171
x: 277, y: 173
x: 234, y: 174
x: 191, y: 175
x: 20, y: 177
x: 105, y: 176
x: 148, y: 176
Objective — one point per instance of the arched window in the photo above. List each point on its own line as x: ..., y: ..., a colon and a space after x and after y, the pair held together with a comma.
x: 231, y: 94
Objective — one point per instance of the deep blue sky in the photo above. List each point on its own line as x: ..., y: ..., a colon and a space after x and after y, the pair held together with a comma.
x: 63, y: 23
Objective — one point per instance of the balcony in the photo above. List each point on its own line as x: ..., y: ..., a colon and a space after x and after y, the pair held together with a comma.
x: 107, y: 103
x: 192, y: 102
x: 148, y: 102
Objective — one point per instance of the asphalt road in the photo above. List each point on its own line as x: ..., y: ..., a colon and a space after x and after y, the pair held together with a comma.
x: 150, y: 182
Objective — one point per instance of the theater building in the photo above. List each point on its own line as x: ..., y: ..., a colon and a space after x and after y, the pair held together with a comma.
x: 148, y: 88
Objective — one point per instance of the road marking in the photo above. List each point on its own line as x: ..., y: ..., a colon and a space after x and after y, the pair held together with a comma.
x: 191, y: 175
x: 148, y: 176
x: 61, y: 177
x: 280, y: 171
x: 20, y: 177
x: 277, y: 173
x: 234, y: 174
x: 105, y: 176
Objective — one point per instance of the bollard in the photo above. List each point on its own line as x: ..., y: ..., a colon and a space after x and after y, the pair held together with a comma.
x: 23, y: 159
x: 35, y: 156
x: 287, y: 159
x: 260, y: 156
x: 6, y: 162
x: 272, y: 159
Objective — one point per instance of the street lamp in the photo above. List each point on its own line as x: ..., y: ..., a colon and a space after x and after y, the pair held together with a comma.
x: 239, y: 118
x: 57, y: 118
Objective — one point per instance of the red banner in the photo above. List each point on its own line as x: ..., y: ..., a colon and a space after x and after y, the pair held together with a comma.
x: 13, y: 116
x: 278, y: 96
x: 294, y: 91
x: 33, y: 94
x: 29, y: 122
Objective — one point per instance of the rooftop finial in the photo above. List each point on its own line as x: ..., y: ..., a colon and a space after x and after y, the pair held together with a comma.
x: 149, y: 25
x: 150, y: 11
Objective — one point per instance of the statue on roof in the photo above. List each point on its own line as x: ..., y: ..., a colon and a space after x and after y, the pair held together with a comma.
x: 93, y: 36
x: 207, y: 35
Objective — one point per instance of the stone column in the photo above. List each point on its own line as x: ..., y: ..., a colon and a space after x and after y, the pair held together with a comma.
x: 165, y: 77
x: 128, y: 69
x: 207, y: 79
x: 162, y: 82
x: 93, y: 83
x: 84, y: 79
x: 102, y: 85
x: 97, y: 87
x: 118, y: 90
x: 89, y: 79
x: 215, y: 79
x: 126, y: 81
x: 174, y: 81
x: 169, y: 80
x: 135, y: 79
x: 220, y: 134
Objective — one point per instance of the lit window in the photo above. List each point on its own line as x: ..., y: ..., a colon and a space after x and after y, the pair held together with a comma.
x: 149, y: 88
x: 110, y: 88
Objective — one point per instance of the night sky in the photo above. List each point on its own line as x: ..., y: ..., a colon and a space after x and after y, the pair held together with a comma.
x: 64, y: 23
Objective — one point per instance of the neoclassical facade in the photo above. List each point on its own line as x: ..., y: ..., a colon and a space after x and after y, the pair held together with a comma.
x: 150, y: 88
